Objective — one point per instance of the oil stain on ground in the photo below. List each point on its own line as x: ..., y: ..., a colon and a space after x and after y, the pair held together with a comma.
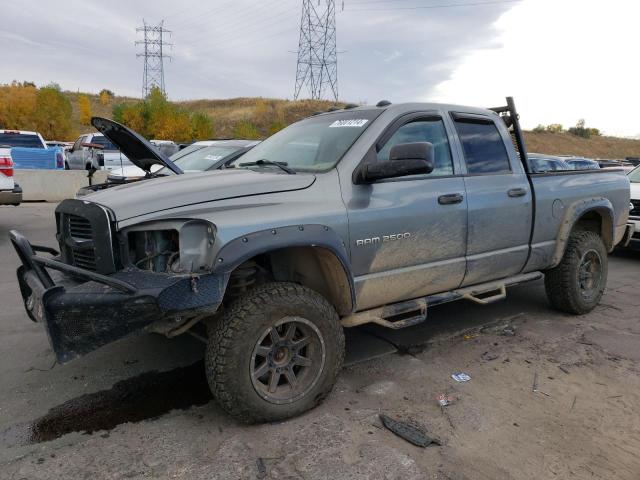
x: 145, y: 396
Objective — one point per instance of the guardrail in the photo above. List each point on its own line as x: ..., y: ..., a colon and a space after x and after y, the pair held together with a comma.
x: 54, y: 185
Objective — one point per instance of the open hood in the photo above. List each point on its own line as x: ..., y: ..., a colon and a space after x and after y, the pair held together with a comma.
x: 137, y: 149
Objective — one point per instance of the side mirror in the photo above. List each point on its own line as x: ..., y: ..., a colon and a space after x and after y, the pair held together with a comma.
x: 404, y: 159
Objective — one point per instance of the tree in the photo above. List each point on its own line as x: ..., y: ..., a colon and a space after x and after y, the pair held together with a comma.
x: 106, y: 96
x: 18, y: 106
x: 555, y: 128
x: 53, y: 109
x: 85, y: 109
x: 201, y: 126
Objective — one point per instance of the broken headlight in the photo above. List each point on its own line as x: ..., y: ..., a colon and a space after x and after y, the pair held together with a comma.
x: 173, y: 246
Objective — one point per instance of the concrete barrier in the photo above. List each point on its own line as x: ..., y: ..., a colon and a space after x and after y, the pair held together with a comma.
x: 54, y: 185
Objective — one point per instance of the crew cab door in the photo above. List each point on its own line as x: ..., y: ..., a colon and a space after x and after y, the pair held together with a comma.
x: 499, y: 199
x: 408, y: 234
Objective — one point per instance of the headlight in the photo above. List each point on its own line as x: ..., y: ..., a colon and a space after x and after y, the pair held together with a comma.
x: 173, y: 246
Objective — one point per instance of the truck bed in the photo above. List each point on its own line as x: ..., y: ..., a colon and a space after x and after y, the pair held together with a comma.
x: 556, y: 192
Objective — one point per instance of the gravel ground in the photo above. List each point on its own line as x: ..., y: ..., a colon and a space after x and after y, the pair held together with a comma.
x: 550, y: 396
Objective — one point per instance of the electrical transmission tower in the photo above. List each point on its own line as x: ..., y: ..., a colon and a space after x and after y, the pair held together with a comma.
x: 317, y: 67
x: 153, y: 54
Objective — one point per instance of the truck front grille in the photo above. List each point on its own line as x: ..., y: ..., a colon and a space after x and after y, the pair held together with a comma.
x: 636, y: 208
x: 84, y: 235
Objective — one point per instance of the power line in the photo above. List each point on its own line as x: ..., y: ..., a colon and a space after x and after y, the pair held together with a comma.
x: 153, y: 45
x: 317, y: 67
x: 425, y: 7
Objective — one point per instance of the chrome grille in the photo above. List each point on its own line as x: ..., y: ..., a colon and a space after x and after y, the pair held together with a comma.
x: 636, y: 208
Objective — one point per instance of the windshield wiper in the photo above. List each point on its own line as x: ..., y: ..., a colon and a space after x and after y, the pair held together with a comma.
x: 281, y: 165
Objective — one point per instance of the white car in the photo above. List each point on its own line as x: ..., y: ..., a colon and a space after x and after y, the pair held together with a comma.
x: 10, y: 193
x: 634, y: 214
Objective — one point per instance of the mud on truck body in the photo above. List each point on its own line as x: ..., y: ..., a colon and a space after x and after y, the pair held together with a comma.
x: 367, y: 214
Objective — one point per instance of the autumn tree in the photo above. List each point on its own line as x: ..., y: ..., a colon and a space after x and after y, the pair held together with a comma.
x: 53, y: 109
x: 106, y: 96
x: 18, y: 106
x: 85, y: 109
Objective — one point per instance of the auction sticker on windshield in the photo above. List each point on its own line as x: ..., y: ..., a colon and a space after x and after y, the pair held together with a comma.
x: 356, y: 122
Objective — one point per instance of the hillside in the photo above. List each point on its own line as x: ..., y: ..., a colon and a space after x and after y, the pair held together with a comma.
x: 268, y: 115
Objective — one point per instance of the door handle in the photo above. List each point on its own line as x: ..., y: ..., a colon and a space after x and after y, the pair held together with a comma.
x: 450, y: 198
x: 517, y: 192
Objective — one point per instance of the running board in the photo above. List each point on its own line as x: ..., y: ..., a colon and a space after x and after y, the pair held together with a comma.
x: 411, y: 312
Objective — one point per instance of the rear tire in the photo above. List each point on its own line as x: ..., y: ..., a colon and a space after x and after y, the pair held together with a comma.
x: 274, y: 353
x: 577, y: 283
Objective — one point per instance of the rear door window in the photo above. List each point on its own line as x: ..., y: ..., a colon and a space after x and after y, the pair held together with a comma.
x: 484, y: 149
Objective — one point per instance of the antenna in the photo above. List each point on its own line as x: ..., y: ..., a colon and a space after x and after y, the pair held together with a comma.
x: 317, y: 67
x: 153, y: 74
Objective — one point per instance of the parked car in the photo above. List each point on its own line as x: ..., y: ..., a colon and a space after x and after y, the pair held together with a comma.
x: 198, y: 157
x: 358, y: 215
x: 29, y: 151
x: 10, y: 192
x: 581, y: 163
x: 634, y: 214
x: 93, y: 150
x: 167, y: 147
x: 539, y: 163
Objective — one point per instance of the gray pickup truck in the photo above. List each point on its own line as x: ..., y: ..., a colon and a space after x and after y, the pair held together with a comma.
x: 367, y: 214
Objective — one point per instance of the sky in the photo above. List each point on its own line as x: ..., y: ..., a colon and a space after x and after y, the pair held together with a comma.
x: 562, y: 60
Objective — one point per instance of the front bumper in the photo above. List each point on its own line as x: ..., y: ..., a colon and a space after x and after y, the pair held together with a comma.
x: 11, y: 197
x: 83, y: 310
x: 632, y: 234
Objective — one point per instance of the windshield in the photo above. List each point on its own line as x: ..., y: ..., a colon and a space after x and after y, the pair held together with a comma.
x: 20, y: 140
x: 311, y: 145
x: 186, y: 151
x: 634, y: 175
x: 203, y: 158
x: 101, y: 140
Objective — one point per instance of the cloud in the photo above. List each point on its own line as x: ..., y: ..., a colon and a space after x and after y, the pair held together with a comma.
x: 233, y: 48
x: 562, y: 61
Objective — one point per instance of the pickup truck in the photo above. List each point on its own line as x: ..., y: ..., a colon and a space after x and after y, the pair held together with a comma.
x: 358, y: 215
x: 29, y: 150
x: 93, y: 150
x: 10, y: 192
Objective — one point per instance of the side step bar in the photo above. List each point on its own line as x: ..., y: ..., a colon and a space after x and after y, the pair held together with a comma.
x: 411, y: 312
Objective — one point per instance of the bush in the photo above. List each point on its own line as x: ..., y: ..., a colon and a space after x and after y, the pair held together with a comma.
x: 85, y: 109
x: 245, y: 129
x: 555, y: 128
x: 540, y: 129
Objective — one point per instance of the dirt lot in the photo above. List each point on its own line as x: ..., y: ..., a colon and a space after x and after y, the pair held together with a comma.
x: 146, y: 401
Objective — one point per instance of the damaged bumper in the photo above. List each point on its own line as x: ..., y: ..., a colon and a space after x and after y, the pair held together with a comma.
x: 82, y: 310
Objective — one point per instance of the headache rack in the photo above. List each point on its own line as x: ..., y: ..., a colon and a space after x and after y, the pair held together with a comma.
x: 509, y: 115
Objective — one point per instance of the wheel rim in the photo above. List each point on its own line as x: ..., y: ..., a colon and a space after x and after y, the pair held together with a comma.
x: 287, y: 360
x: 590, y: 274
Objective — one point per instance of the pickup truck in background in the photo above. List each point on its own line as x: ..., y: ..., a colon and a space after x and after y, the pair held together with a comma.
x: 372, y: 214
x: 93, y: 150
x: 10, y: 192
x: 29, y: 150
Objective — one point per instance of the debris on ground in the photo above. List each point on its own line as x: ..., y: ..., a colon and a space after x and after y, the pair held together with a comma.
x: 460, y: 377
x: 408, y: 432
x: 564, y: 369
x: 535, y: 388
x: 444, y: 399
x: 262, y: 468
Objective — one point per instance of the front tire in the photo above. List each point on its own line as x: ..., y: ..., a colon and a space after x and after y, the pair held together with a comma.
x: 274, y: 353
x: 577, y: 283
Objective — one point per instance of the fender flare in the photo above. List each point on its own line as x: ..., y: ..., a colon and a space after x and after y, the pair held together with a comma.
x: 573, y: 213
x: 243, y: 248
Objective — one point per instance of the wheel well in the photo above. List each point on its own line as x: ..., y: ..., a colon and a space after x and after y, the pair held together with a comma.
x: 314, y: 267
x: 596, y: 222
